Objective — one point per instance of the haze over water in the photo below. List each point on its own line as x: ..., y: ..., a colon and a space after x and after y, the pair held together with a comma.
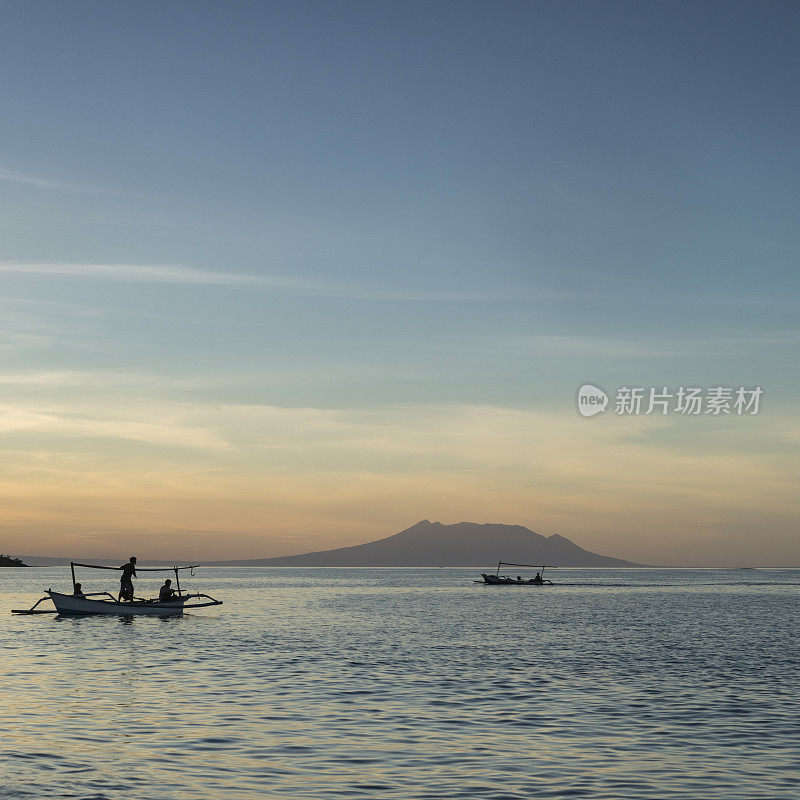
x: 349, y: 683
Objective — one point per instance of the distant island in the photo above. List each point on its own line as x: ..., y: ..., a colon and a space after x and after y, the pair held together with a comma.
x: 7, y: 561
x: 432, y: 544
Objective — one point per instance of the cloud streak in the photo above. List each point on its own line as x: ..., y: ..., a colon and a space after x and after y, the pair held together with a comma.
x: 64, y: 423
x: 639, y: 347
x: 176, y: 274
x: 139, y: 273
x: 10, y: 176
x: 29, y: 180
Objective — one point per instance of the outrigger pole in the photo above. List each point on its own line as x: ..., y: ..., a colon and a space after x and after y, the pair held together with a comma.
x: 138, y: 569
x: 542, y: 567
x: 175, y: 569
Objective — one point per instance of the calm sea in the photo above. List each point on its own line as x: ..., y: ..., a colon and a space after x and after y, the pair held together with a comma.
x: 350, y: 683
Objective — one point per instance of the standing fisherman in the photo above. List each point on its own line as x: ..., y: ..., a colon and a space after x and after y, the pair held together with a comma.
x: 126, y: 580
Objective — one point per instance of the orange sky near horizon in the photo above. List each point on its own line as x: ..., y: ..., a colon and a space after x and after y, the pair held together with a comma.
x: 234, y: 482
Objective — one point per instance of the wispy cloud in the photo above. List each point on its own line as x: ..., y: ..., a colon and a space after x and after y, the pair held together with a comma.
x: 638, y: 347
x: 10, y: 176
x: 44, y: 378
x: 138, y: 273
x: 175, y: 274
x: 65, y: 422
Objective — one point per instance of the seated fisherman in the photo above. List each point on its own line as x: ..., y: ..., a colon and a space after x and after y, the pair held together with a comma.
x: 166, y: 592
x: 538, y: 578
x: 78, y: 591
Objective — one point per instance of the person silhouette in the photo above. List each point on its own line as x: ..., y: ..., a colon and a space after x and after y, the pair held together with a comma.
x: 126, y: 579
x: 166, y: 592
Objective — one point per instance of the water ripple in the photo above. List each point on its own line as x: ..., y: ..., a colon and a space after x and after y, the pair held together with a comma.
x: 333, y: 684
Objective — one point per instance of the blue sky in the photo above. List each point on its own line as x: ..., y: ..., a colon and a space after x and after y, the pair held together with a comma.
x: 345, y: 209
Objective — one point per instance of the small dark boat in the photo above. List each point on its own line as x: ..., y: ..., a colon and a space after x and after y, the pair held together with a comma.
x: 506, y: 580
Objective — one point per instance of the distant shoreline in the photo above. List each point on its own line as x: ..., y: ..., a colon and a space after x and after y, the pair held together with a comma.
x: 229, y: 565
x: 8, y: 561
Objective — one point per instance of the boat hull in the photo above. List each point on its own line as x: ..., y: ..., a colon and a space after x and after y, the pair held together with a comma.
x: 494, y: 580
x: 69, y: 604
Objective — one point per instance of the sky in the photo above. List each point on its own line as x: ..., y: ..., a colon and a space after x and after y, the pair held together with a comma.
x: 278, y: 277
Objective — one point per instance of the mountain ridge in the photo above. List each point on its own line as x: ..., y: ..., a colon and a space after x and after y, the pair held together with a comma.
x: 433, y: 544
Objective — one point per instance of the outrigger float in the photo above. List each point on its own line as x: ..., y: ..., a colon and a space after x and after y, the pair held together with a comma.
x: 106, y: 603
x: 506, y: 580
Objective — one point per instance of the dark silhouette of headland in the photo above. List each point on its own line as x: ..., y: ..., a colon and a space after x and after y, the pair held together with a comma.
x: 7, y: 561
x: 465, y: 544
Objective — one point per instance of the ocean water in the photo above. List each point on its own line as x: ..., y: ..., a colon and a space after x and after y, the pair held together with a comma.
x: 391, y: 683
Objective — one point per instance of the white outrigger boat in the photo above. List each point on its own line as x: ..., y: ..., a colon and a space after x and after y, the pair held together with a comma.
x: 506, y: 580
x: 106, y: 603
